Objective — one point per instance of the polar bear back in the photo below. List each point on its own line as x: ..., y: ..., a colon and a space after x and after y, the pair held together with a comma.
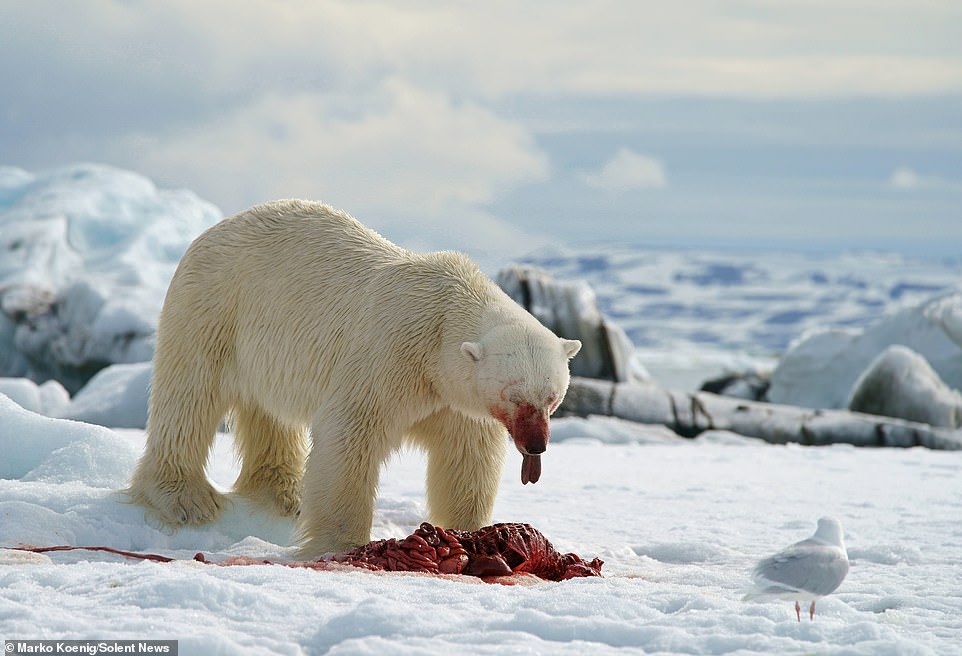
x: 294, y: 294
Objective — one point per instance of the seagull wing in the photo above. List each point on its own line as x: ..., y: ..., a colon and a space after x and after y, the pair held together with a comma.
x: 807, y: 567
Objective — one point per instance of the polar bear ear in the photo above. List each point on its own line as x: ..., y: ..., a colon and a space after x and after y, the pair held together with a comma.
x: 473, y: 350
x: 571, y: 347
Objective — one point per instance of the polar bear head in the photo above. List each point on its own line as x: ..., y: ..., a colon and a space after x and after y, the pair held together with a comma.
x: 520, y: 374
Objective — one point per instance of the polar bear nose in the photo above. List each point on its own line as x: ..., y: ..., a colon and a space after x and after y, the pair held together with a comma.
x: 529, y: 429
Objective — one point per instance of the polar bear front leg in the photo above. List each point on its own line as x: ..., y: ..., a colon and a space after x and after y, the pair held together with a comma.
x: 340, y: 485
x: 465, y: 460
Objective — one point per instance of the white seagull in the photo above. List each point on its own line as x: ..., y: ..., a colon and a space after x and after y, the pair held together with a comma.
x: 810, y: 569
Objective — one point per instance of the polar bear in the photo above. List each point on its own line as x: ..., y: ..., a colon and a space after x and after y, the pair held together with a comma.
x: 293, y: 315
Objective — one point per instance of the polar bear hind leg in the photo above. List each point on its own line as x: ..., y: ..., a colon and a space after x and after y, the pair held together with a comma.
x: 171, y: 477
x: 272, y: 456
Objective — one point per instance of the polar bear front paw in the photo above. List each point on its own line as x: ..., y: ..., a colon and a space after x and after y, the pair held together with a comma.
x: 179, y: 502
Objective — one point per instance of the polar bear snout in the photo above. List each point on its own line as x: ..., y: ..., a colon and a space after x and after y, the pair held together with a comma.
x: 529, y: 429
x: 527, y: 425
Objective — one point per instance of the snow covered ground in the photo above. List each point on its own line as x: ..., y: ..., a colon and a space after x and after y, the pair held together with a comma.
x: 679, y: 524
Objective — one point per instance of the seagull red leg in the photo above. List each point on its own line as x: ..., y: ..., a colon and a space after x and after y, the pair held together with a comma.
x: 811, y: 611
x: 798, y: 611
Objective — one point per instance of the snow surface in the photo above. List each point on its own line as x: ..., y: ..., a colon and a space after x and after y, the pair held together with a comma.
x: 116, y: 396
x: 678, y: 522
x: 49, y: 399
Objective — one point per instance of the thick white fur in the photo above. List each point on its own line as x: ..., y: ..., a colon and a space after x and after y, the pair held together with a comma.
x: 294, y: 315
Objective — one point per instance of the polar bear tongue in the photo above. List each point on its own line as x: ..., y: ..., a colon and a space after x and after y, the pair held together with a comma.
x: 530, y: 468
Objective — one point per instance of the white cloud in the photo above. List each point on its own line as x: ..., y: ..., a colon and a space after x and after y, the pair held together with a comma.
x: 398, y: 146
x: 627, y: 171
x: 396, y: 152
x: 684, y: 47
x: 904, y: 178
x: 754, y: 49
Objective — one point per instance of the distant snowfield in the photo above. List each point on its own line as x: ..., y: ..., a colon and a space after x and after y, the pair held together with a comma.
x: 679, y: 524
x: 694, y: 314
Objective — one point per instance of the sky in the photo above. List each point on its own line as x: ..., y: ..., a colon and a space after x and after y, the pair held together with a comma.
x: 801, y: 124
